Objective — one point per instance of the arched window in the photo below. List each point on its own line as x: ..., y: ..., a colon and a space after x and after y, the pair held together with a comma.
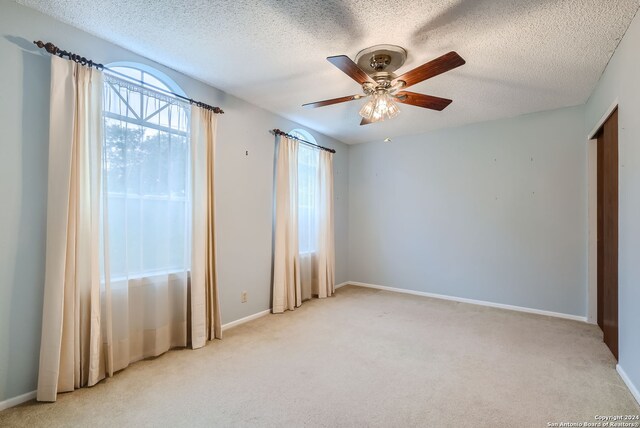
x: 308, y: 164
x: 303, y: 135
x: 148, y: 76
x: 146, y: 168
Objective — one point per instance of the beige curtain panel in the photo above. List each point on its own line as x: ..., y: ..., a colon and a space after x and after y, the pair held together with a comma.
x: 205, y: 307
x: 70, y: 352
x: 286, y: 260
x: 326, y: 247
x: 96, y: 322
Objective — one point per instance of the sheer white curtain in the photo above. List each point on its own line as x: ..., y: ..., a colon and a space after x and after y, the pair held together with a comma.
x: 315, y: 222
x: 286, y: 261
x: 308, y: 218
x: 70, y: 351
x: 147, y: 223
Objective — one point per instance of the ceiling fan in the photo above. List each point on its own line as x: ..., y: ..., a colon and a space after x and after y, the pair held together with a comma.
x: 374, y: 69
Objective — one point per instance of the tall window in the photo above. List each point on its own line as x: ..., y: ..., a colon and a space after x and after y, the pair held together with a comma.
x: 308, y: 175
x: 146, y: 168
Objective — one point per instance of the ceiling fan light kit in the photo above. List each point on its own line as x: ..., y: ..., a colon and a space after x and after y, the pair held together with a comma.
x: 380, y: 107
x: 374, y: 69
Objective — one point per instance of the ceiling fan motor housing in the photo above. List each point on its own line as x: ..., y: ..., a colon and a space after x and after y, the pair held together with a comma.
x: 380, y: 62
x: 381, y: 58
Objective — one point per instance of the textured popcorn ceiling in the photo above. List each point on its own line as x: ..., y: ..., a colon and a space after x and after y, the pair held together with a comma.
x: 522, y: 55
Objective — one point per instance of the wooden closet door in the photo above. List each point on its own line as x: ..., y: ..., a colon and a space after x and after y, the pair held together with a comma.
x: 608, y: 232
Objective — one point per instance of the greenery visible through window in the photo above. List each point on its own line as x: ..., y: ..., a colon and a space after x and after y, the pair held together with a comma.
x: 146, y: 166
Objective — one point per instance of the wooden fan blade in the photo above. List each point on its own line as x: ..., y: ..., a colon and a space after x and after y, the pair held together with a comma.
x: 350, y: 68
x: 422, y: 100
x: 332, y: 101
x: 364, y: 122
x: 431, y: 69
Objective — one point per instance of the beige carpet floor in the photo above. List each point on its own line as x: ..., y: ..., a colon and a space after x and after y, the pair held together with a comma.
x: 362, y: 358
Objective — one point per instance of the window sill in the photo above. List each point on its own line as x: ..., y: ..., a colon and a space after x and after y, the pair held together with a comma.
x: 149, y: 276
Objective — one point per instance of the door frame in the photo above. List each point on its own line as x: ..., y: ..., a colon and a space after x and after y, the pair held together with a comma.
x: 592, y: 202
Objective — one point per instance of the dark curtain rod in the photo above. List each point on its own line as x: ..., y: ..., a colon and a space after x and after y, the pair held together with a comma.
x: 54, y: 50
x: 279, y: 132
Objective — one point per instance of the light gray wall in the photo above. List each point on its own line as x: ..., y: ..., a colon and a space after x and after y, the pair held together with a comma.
x: 495, y: 211
x: 244, y: 187
x: 621, y: 81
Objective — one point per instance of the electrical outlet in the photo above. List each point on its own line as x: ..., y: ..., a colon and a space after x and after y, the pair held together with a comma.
x: 243, y: 297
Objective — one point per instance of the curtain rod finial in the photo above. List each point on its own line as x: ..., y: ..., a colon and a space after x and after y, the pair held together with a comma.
x: 49, y: 47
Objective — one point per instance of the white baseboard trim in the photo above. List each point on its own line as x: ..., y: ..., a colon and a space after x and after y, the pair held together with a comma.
x: 245, y: 319
x: 472, y: 301
x: 627, y: 381
x: 17, y: 400
x: 261, y: 314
